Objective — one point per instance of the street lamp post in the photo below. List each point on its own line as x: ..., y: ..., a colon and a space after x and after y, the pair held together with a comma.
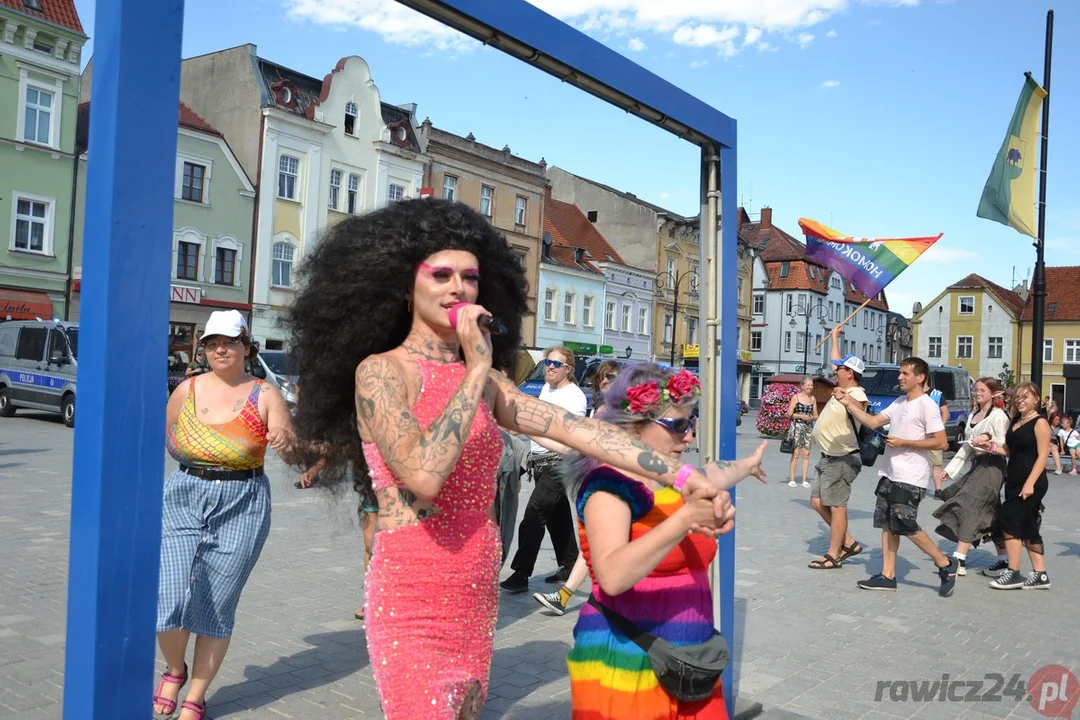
x: 818, y: 309
x: 674, y: 280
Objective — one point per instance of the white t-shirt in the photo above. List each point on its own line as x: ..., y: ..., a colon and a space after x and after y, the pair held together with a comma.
x: 916, y: 419
x: 1071, y: 438
x: 568, y: 397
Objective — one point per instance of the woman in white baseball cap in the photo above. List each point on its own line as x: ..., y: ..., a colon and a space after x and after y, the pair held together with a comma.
x: 216, y: 507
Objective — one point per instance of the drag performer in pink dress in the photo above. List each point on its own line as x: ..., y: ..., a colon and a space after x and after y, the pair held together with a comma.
x: 401, y: 317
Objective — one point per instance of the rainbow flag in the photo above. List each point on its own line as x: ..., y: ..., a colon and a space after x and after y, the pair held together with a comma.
x: 867, y: 264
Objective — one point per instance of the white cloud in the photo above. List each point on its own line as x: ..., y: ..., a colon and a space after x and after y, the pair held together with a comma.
x: 944, y: 254
x: 830, y: 34
x: 804, y: 40
x: 830, y: 84
x: 766, y: 47
x: 702, y: 23
x: 695, y: 64
x: 636, y: 44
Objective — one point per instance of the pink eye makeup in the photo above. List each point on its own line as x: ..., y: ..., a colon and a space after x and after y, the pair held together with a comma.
x: 444, y: 272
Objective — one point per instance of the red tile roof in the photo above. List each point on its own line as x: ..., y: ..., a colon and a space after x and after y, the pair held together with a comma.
x: 570, y: 228
x: 567, y: 257
x: 1062, y: 295
x: 1009, y: 299
x: 191, y: 119
x: 57, y: 12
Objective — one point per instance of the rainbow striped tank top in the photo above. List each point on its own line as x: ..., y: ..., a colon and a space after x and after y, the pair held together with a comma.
x: 239, y: 444
x: 610, y: 676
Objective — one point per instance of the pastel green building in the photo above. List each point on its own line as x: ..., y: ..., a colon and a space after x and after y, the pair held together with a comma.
x: 40, y: 47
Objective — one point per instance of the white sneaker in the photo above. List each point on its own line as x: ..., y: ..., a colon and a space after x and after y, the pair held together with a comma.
x: 793, y: 484
x: 805, y: 484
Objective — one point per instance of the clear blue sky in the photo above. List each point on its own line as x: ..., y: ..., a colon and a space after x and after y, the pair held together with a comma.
x: 879, y: 117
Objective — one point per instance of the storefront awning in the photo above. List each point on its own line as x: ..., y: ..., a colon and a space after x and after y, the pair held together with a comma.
x: 24, y: 305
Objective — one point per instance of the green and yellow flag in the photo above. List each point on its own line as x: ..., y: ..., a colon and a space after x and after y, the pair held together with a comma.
x: 1009, y: 195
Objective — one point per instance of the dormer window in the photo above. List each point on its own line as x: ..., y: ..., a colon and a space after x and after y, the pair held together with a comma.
x: 350, y: 119
x: 32, y: 5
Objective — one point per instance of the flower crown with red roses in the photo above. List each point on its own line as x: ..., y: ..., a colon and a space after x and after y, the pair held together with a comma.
x: 647, y: 397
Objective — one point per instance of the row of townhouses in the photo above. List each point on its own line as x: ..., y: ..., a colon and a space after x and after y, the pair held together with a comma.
x: 986, y: 329
x: 268, y: 158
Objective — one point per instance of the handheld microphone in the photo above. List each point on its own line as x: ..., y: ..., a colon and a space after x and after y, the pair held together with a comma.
x: 488, y: 323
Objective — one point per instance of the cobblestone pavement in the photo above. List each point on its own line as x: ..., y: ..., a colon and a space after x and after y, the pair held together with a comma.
x: 809, y: 643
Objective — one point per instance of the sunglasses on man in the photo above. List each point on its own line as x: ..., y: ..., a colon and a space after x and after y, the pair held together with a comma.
x: 552, y: 363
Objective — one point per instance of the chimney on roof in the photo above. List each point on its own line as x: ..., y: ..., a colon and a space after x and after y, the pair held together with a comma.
x: 766, y: 217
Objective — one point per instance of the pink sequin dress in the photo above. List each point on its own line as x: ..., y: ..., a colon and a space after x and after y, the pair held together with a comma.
x: 432, y: 587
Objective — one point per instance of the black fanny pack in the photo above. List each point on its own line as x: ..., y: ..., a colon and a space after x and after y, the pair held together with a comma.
x: 686, y: 672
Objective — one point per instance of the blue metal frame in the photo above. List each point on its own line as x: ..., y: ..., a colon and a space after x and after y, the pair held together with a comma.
x: 116, y: 479
x: 116, y: 487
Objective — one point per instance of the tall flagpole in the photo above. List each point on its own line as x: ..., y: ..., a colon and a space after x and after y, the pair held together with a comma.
x: 1038, y: 285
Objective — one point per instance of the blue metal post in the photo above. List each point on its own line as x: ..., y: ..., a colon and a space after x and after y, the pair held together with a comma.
x: 729, y: 303
x: 119, y: 458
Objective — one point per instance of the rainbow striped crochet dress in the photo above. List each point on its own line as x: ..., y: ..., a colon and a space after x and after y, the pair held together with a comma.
x: 610, y: 676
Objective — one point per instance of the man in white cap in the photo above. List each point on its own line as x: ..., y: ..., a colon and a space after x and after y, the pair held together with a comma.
x: 840, y: 463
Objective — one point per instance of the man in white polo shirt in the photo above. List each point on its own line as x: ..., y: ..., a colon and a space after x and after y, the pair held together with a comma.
x: 915, y: 428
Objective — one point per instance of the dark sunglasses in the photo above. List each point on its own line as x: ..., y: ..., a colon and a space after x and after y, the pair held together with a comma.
x: 679, y: 426
x: 610, y: 376
x: 552, y: 363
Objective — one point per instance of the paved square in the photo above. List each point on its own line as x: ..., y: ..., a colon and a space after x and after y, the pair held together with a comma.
x: 810, y: 643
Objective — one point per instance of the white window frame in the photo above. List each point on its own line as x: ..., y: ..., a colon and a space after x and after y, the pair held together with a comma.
x: 489, y: 198
x: 960, y: 305
x: 624, y: 316
x: 1072, y: 346
x: 991, y: 346
x: 587, y: 302
x: 787, y: 341
x: 291, y: 243
x: 521, y: 210
x: 449, y: 185
x: 1048, y: 350
x: 56, y: 89
x: 759, y: 304
x: 609, y: 315
x: 691, y: 331
x: 356, y: 119
x: 334, y: 199
x: 930, y: 342
x: 550, y: 296
x: 283, y: 159
x: 178, y: 191
x: 50, y: 214
x: 643, y: 321
x: 970, y: 347
x: 669, y: 328
x: 227, y: 242
x: 800, y: 341
x: 671, y: 268
x: 569, y: 302
x: 756, y: 339
x: 390, y: 194
x: 193, y: 236
x: 352, y: 195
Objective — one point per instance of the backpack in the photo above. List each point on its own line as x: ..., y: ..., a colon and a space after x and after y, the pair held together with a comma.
x: 871, y: 443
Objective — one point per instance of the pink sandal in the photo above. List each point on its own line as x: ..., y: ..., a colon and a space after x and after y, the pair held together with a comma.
x: 180, y: 680
x: 199, y: 710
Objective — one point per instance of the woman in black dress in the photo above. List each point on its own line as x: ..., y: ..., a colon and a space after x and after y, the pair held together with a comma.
x: 1027, y: 445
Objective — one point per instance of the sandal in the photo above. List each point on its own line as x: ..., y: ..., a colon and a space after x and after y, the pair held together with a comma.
x: 169, y: 705
x: 198, y: 708
x: 828, y: 562
x: 851, y: 550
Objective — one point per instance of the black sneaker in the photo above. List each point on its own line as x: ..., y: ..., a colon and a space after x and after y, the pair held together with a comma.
x: 552, y: 601
x: 948, y: 577
x: 877, y: 582
x: 559, y: 577
x: 961, y: 571
x: 1037, y: 581
x: 516, y: 583
x: 995, y: 570
x: 1008, y: 580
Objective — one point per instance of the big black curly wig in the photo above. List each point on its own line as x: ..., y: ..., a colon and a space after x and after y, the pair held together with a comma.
x: 352, y: 303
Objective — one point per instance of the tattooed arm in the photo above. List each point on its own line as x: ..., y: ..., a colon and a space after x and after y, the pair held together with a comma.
x: 421, y: 459
x: 522, y: 413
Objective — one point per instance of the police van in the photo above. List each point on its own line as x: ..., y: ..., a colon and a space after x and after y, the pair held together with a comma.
x: 38, y: 365
x: 882, y: 386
